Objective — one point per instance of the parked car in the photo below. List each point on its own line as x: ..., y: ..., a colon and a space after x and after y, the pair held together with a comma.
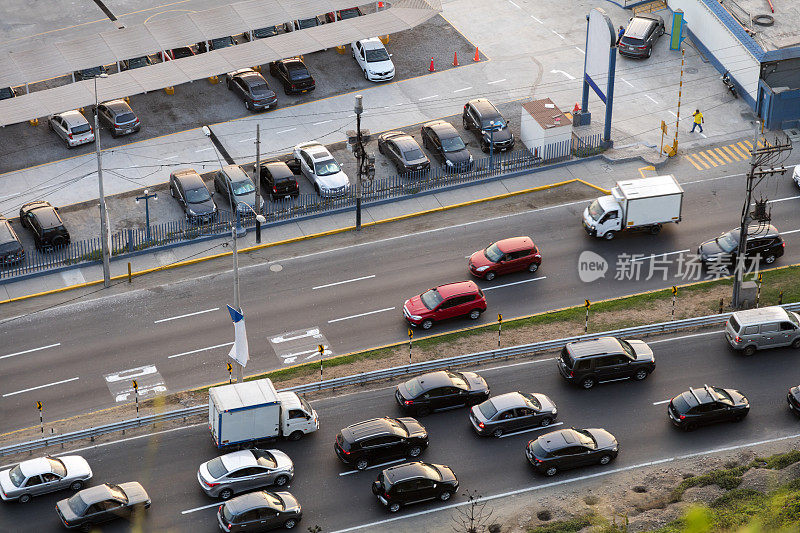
x: 440, y: 390
x: 102, y: 503
x: 403, y: 151
x: 462, y: 298
x: 90, y: 73
x: 302, y: 24
x: 71, y: 126
x: 343, y: 14
x: 796, y: 175
x: 244, y: 470
x: 415, y: 482
x: 793, y: 398
x: 373, y: 59
x: 263, y: 33
x: 318, y: 165
x: 586, y: 363
x: 7, y: 92
x: 259, y: 511
x: 442, y: 139
x: 44, y: 222
x: 190, y: 190
x: 11, y: 250
x: 136, y: 62
x: 513, y: 411
x: 118, y: 117
x: 504, y: 257
x: 571, y: 448
x: 758, y: 329
x: 251, y: 87
x: 293, y: 74
x: 697, y: 407
x: 763, y: 241
x: 234, y: 183
x: 215, y: 44
x: 380, y: 439
x: 279, y: 180
x: 481, y: 117
x: 177, y: 53
x: 641, y: 35
x: 42, y: 475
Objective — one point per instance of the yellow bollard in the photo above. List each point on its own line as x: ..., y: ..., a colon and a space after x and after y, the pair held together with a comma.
x: 169, y: 90
x: 214, y: 80
x: 341, y: 49
x: 127, y: 99
x: 257, y: 68
x: 384, y: 39
x: 34, y: 122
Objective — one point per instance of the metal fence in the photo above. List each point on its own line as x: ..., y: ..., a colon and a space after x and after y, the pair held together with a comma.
x: 276, y: 212
x: 386, y: 373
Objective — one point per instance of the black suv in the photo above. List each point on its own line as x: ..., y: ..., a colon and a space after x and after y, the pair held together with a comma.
x: 216, y: 44
x: 414, y: 482
x: 763, y: 241
x: 380, y: 439
x: 293, y: 74
x: 481, y: 117
x: 441, y: 390
x: 11, y: 250
x: 43, y: 220
x: 279, y: 180
x: 571, y: 448
x: 118, y: 117
x: 708, y: 405
x: 641, y: 35
x: 442, y: 138
x: 587, y: 363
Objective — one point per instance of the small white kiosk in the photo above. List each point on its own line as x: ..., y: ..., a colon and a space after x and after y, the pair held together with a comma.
x: 546, y: 131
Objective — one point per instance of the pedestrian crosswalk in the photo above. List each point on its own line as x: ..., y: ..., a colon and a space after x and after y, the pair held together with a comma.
x: 722, y: 155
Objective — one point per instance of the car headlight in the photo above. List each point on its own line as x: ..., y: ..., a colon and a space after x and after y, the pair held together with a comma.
x: 449, y: 163
x: 415, y: 317
x: 481, y: 269
x: 555, y: 411
x: 190, y: 212
x: 470, y: 158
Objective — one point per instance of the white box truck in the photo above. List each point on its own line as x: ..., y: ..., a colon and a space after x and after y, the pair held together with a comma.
x: 639, y: 204
x: 254, y: 410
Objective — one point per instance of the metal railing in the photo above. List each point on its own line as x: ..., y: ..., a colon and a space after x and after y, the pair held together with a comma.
x: 383, y: 374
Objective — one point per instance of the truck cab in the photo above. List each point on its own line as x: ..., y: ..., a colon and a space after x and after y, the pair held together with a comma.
x: 297, y: 415
x: 602, y: 217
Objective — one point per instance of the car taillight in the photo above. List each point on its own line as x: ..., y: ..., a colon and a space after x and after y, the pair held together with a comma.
x: 136, y: 121
x: 538, y: 460
x: 682, y: 417
x: 294, y: 86
x: 571, y: 374
x: 641, y: 47
x: 69, y: 135
x: 481, y: 425
x: 274, y: 188
x: 737, y: 338
x: 408, y: 402
x: 783, y: 244
x: 207, y: 484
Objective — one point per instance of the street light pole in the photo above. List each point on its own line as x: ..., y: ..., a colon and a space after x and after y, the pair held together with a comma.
x: 491, y: 144
x: 146, y: 197
x: 103, y: 213
x: 257, y: 177
x: 359, y: 108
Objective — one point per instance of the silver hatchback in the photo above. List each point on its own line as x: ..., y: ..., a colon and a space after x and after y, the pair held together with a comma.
x: 42, y: 475
x: 243, y: 471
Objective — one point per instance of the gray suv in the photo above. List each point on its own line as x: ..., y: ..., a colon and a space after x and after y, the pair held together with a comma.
x: 586, y: 363
x: 235, y: 185
x: 757, y: 329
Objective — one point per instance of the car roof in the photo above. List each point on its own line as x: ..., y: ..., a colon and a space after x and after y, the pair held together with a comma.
x: 409, y: 471
x: 32, y: 467
x: 292, y: 62
x: 316, y: 150
x: 599, y: 346
x: 373, y: 43
x: 234, y: 172
x: 252, y: 77
x: 514, y: 244
x: 404, y: 141
x: 239, y: 459
x: 762, y: 314
x: 762, y: 230
x: 442, y: 128
x: 638, y: 26
x: 373, y: 427
x: 7, y: 233
x: 73, y: 118
x: 509, y: 400
x: 250, y: 500
x: 559, y: 439
x: 484, y: 107
x: 187, y: 176
x: 118, y: 106
x: 96, y: 494
x: 435, y: 379
x: 696, y: 396
x: 459, y: 287
x: 44, y: 212
x: 278, y: 169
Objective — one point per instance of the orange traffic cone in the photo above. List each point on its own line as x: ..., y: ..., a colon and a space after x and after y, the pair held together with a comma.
x: 577, y: 108
x: 477, y: 55
x: 380, y: 5
x: 431, y: 69
x: 455, y: 59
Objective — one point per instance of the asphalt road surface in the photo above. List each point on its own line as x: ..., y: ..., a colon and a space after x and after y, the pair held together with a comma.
x: 335, y: 497
x: 81, y: 357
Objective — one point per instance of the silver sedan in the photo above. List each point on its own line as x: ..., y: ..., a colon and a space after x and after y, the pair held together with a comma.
x: 42, y: 475
x: 243, y: 471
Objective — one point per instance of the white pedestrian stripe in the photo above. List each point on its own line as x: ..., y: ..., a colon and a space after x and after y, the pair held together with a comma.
x: 513, y: 4
x: 30, y: 351
x: 186, y: 315
x: 537, y: 20
x: 580, y: 50
x: 561, y: 36
x: 652, y: 99
x: 39, y: 387
x: 626, y: 81
x: 360, y: 315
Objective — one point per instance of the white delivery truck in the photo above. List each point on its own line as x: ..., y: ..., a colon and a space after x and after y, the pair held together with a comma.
x: 638, y: 204
x: 254, y: 410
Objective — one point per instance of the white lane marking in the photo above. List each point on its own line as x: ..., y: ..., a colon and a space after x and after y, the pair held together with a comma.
x: 245, y: 140
x: 529, y: 430
x: 517, y: 364
x: 342, y: 282
x: 581, y: 51
x: 514, y: 283
x: 537, y: 20
x: 658, y: 255
x: 673, y: 114
x: 783, y: 199
x: 371, y: 467
x: 686, y: 337
x: 626, y: 81
x: 788, y: 232
x: 202, y: 150
x: 323, y: 122
x: 564, y: 482
x: 651, y: 99
x: 463, y: 89
x: 343, y: 395
x: 31, y: 350
x: 513, y: 4
x: 662, y: 401
x: 186, y: 315
x: 209, y: 506
x: 284, y: 131
x: 201, y: 350
x: 712, y: 179
x: 171, y: 157
x: 429, y: 97
x: 360, y: 315
x: 567, y: 74
x: 554, y: 31
x: 40, y: 387
x: 495, y: 81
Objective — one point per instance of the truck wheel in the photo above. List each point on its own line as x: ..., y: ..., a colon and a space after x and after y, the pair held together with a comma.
x: 609, y: 235
x: 296, y: 435
x: 655, y: 230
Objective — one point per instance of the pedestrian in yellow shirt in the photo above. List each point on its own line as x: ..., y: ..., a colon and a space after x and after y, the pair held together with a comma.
x: 698, y: 121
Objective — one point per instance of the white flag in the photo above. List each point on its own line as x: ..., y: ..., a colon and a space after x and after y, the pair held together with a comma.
x: 240, y: 351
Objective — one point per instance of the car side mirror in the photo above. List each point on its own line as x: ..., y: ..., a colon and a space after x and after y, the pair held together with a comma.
x: 391, y: 55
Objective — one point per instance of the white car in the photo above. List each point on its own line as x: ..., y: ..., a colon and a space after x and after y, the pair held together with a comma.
x: 374, y: 60
x: 796, y: 175
x: 42, y: 475
x: 318, y: 165
x: 71, y: 126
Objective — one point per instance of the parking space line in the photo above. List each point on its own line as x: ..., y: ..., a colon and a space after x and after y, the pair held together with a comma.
x: 652, y: 99
x: 209, y: 506
x: 495, y: 81
x: 429, y: 97
x: 371, y: 467
x: 514, y: 283
x: 202, y: 150
x: 513, y: 4
x: 284, y: 131
x: 463, y: 89
x: 171, y: 157
x: 531, y: 429
x: 730, y: 153
x: 40, y: 387
x: 554, y: 31
x: 673, y: 114
x: 186, y: 315
x: 690, y: 160
x: 360, y: 315
x: 537, y: 20
x: 579, y: 50
x: 708, y: 158
x: 201, y: 350
x: 31, y: 350
x: 342, y: 282
x: 323, y: 122
x: 245, y: 140
x: 626, y: 81
x: 788, y: 232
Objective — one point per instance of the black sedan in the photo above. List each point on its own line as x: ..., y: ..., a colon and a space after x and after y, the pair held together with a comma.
x: 251, y: 87
x: 514, y: 411
x: 571, y: 448
x: 708, y: 405
x: 190, y: 190
x: 11, y: 250
x: 793, y: 398
x: 414, y: 482
x: 293, y: 74
x: 259, y: 511
x: 102, y: 503
x: 441, y: 138
x: 441, y: 390
x: 403, y: 151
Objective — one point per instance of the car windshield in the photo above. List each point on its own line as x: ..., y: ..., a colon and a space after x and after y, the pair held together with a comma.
x: 306, y: 405
x: 182, y: 52
x: 728, y: 242
x: 6, y: 92
x: 57, y: 466
x: 723, y: 395
x: 261, y: 88
x: 221, y: 42
x: 81, y: 128
x: 595, y: 211
x: 493, y: 253
x: 537, y: 450
x: 349, y: 13
x: 227, y: 514
x: 453, y: 144
x: 307, y: 23
x: 269, y: 31
x: 92, y: 72
x: 77, y: 504
x: 586, y: 438
x: 326, y: 168
x: 264, y: 458
x: 216, y: 468
x: 413, y: 154
x: 414, y: 388
x: 138, y: 62
x: 628, y: 349
x: 793, y: 318
x: 431, y: 472
x: 16, y: 476
x: 197, y: 196
x: 240, y: 188
x: 532, y: 401
x: 377, y: 54
x: 125, y: 117
x: 487, y: 409
x: 431, y: 298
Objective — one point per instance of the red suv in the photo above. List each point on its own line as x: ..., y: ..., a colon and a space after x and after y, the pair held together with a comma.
x: 506, y: 256
x: 463, y: 298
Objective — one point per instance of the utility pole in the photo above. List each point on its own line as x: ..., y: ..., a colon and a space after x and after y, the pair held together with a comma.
x: 103, y: 213
x: 759, y: 157
x: 359, y: 149
x: 257, y: 178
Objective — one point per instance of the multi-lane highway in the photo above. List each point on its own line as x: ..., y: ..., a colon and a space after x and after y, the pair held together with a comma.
x: 80, y: 356
x: 335, y: 497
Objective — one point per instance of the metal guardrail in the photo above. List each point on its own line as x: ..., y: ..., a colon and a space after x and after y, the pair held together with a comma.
x: 386, y: 373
